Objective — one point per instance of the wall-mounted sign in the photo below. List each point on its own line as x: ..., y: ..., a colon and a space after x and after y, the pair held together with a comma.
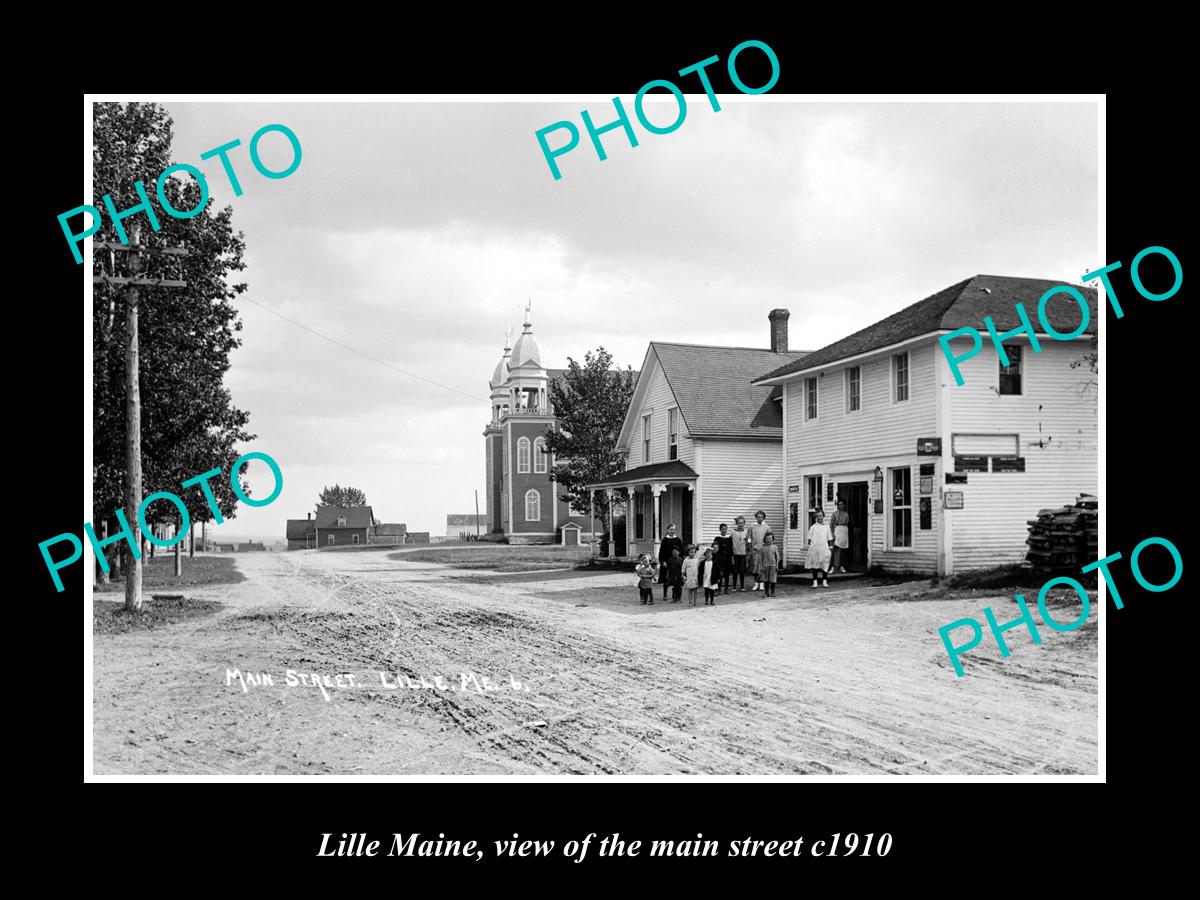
x: 952, y: 500
x: 927, y: 468
x: 829, y: 490
x: 930, y: 446
x: 1008, y: 464
x: 951, y: 478
x: 970, y: 464
x: 793, y: 488
x: 878, y: 507
x: 926, y: 484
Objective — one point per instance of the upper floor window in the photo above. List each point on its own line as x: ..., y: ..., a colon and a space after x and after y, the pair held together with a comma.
x: 533, y: 506
x: 853, y: 389
x: 523, y: 456
x: 341, y: 521
x: 1010, y: 375
x: 810, y: 398
x: 540, y: 456
x: 900, y: 377
x: 672, y: 434
x: 645, y: 439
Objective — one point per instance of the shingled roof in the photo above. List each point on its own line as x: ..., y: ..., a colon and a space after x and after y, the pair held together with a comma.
x: 715, y: 392
x: 673, y: 470
x: 297, y: 529
x: 356, y: 517
x: 958, y: 306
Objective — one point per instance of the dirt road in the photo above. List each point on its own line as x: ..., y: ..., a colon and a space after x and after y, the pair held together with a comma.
x: 845, y: 680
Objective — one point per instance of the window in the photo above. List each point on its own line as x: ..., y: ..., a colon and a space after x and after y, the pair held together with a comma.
x: 341, y: 521
x: 900, y: 376
x: 814, y: 498
x: 901, y: 507
x: 330, y: 540
x: 810, y: 398
x: 646, y: 439
x: 672, y: 434
x: 355, y: 538
x: 793, y: 516
x: 533, y: 506
x: 853, y: 389
x: 523, y: 456
x: 639, y: 515
x: 1010, y: 375
x: 540, y: 457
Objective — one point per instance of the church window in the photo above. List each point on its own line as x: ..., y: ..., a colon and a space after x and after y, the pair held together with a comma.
x: 539, y: 456
x: 533, y: 506
x: 523, y: 456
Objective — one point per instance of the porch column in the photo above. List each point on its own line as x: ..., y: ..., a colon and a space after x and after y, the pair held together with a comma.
x: 608, y: 496
x: 592, y: 516
x: 656, y: 527
x: 690, y: 498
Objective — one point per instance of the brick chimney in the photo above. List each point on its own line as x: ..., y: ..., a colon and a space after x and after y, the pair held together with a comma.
x: 310, y: 515
x: 779, y: 319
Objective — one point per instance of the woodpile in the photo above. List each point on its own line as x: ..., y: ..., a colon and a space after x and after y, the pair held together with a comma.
x: 1066, y: 538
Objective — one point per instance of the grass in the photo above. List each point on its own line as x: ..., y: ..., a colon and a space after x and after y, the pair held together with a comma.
x: 160, y: 573
x: 110, y: 616
x: 1008, y: 581
x: 499, y: 557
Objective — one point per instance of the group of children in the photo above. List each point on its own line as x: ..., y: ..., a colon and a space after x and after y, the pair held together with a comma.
x: 723, y: 565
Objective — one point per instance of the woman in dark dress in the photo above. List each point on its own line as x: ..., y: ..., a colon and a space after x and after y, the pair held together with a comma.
x: 669, y: 543
x: 724, y: 542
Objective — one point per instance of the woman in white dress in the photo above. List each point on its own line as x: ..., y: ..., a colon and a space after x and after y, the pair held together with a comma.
x: 819, y: 552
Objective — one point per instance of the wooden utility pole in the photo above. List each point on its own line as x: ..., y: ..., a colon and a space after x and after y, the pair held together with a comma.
x: 191, y: 539
x: 133, y: 399
x: 476, y: 513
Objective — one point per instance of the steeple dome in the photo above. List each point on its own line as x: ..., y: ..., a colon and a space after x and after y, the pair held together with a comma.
x: 526, y: 349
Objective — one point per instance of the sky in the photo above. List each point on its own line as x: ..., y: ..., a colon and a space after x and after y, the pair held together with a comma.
x: 416, y: 232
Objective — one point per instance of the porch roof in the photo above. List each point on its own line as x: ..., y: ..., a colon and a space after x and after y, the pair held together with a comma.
x: 674, y: 470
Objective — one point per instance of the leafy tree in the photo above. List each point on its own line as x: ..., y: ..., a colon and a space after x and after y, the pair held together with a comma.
x: 185, y: 335
x: 590, y: 402
x: 342, y: 497
x: 1091, y: 361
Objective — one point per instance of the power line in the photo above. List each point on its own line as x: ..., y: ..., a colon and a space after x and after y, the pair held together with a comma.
x: 373, y: 359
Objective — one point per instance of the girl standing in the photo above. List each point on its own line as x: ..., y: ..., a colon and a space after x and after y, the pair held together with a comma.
x: 691, y: 574
x: 710, y: 577
x: 674, y: 576
x: 669, y: 545
x: 759, y: 530
x: 738, y: 542
x: 645, y: 573
x: 724, y: 556
x: 819, y: 540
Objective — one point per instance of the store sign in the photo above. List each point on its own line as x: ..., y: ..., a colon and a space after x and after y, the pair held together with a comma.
x: 793, y: 488
x: 951, y: 478
x: 952, y: 500
x: 1008, y: 464
x: 929, y: 446
x: 970, y: 464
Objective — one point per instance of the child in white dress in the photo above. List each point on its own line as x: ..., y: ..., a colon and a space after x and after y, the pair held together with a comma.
x: 819, y: 540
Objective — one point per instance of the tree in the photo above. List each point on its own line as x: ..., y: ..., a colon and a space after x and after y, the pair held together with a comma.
x: 185, y: 335
x: 342, y: 497
x: 1091, y: 360
x: 590, y: 402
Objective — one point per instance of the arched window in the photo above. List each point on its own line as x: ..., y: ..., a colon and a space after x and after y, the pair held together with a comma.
x: 540, y: 458
x: 523, y: 456
x: 533, y: 506
x: 341, y: 521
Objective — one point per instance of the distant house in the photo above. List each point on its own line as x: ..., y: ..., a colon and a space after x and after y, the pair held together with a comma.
x: 456, y: 522
x: 418, y: 537
x: 250, y: 546
x: 389, y: 534
x: 333, y: 526
x: 225, y: 548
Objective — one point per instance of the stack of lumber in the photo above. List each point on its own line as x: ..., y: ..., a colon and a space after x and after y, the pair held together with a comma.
x: 1065, y: 538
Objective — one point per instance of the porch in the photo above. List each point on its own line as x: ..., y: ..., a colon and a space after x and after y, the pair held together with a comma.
x: 642, y: 502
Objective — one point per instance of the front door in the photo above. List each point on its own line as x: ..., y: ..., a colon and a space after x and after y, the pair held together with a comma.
x: 855, y: 494
x: 618, y: 527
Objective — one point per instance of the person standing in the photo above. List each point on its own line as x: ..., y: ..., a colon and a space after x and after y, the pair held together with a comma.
x: 675, y: 574
x: 738, y: 543
x: 645, y: 573
x: 691, y: 574
x: 839, y: 523
x: 710, y: 576
x: 724, y: 557
x: 669, y: 543
x: 755, y: 534
x: 817, y: 560
x: 770, y: 564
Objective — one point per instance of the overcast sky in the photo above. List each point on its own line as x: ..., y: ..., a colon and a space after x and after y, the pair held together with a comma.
x: 414, y: 232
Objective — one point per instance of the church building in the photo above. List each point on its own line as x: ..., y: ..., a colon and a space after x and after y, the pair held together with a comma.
x: 522, y: 497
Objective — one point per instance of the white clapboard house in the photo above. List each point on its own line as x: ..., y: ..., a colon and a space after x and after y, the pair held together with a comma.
x: 702, y: 443
x: 937, y: 477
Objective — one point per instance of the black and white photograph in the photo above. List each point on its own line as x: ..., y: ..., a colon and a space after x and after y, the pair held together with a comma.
x: 521, y: 437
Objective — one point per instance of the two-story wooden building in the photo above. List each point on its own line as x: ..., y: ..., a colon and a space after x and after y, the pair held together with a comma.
x: 701, y: 442
x: 939, y: 477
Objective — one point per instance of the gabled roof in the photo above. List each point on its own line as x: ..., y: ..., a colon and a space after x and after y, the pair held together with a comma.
x: 674, y: 470
x: 397, y: 528
x: 715, y: 391
x: 959, y: 306
x: 356, y: 517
